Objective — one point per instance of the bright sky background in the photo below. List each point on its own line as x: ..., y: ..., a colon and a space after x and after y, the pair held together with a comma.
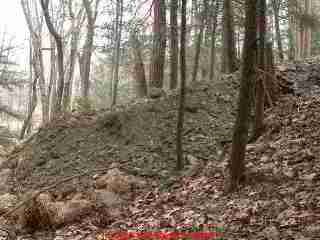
x: 12, y: 21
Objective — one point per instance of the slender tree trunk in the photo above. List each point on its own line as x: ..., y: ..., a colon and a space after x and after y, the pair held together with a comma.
x: 159, y: 44
x: 32, y: 95
x: 140, y: 83
x: 174, y: 49
x: 88, y: 47
x: 75, y: 32
x: 307, y: 47
x: 194, y: 16
x: 240, y: 134
x: 199, y: 41
x: 213, y: 41
x: 260, y: 91
x: 52, y: 91
x: 117, y: 53
x: 291, y: 30
x: 229, y: 54
x: 59, y: 46
x: 180, y: 162
x: 272, y: 87
x: 36, y: 36
x: 276, y: 7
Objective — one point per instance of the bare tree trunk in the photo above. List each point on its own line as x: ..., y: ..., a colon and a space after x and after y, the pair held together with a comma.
x: 32, y: 95
x: 240, y: 134
x: 159, y: 44
x: 59, y: 46
x: 42, y: 85
x: 75, y: 32
x: 229, y: 54
x: 35, y: 34
x: 52, y: 90
x: 174, y: 48
x: 272, y: 87
x: 199, y: 40
x: 276, y: 8
x: 180, y: 162
x: 213, y: 41
x: 260, y: 91
x: 140, y: 83
x: 115, y: 81
x: 307, y: 32
x: 88, y: 47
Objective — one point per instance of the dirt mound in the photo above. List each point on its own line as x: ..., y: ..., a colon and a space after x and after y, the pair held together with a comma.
x: 143, y: 133
x: 300, y: 77
x: 279, y: 201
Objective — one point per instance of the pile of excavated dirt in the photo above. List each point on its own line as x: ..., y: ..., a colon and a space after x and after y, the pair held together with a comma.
x: 143, y: 133
x: 280, y: 199
x: 301, y: 77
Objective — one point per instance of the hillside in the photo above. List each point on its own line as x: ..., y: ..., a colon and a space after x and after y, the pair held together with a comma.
x: 280, y: 201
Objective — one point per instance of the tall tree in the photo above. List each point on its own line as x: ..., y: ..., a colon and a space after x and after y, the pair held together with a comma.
x: 199, y: 39
x: 77, y: 20
x: 32, y: 103
x: 174, y: 48
x: 91, y: 13
x: 213, y: 39
x: 276, y: 10
x: 260, y: 91
x: 159, y: 44
x: 180, y: 120
x: 115, y: 80
x: 229, y: 50
x: 59, y: 46
x: 35, y: 26
x: 140, y: 83
x: 240, y: 133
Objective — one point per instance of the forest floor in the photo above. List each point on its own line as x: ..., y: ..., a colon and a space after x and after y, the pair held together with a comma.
x: 280, y: 200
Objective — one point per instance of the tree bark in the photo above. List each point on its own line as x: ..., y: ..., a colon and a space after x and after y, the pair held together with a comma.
x: 140, y: 83
x: 276, y: 8
x: 199, y: 41
x: 75, y: 33
x: 240, y: 133
x: 32, y: 95
x: 59, y: 46
x: 88, y: 47
x: 115, y: 81
x: 180, y: 162
x: 213, y: 41
x: 174, y: 48
x: 159, y: 44
x: 260, y: 91
x: 229, y: 51
x: 52, y: 92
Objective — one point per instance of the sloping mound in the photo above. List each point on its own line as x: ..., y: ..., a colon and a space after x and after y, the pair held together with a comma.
x: 280, y: 199
x: 143, y: 133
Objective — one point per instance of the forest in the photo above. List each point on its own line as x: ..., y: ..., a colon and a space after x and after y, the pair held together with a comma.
x: 152, y: 119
